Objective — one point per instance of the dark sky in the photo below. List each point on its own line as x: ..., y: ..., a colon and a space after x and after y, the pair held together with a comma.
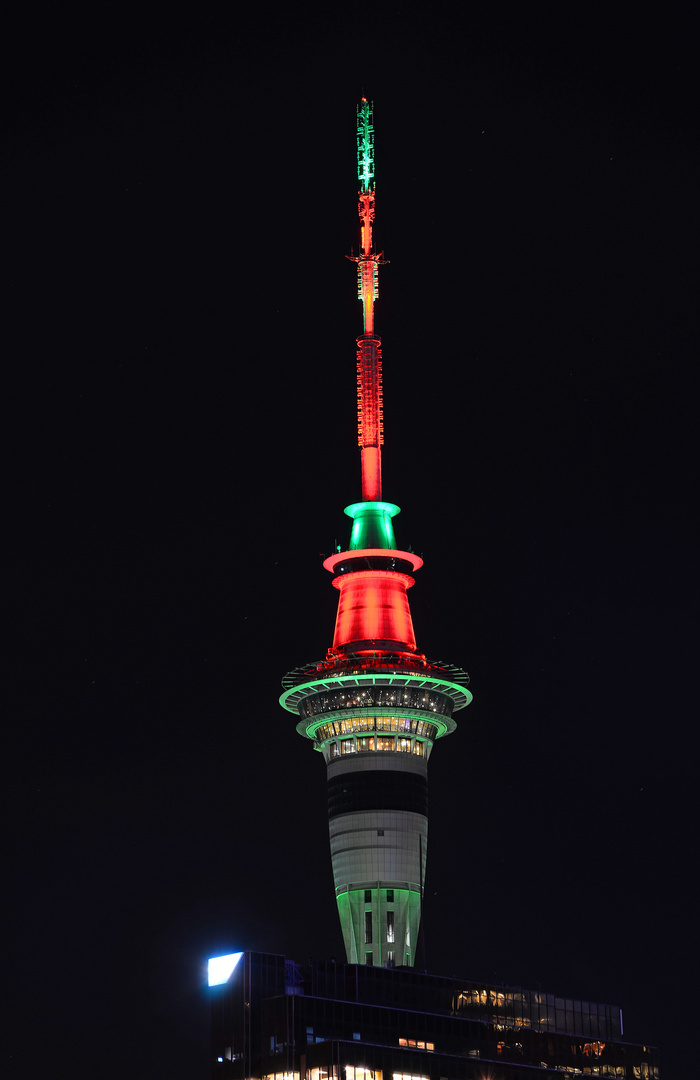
x: 180, y: 318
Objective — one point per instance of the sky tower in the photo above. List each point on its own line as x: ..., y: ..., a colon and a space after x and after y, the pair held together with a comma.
x: 375, y: 705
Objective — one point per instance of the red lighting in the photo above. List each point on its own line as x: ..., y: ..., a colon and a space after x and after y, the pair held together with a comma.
x: 334, y: 560
x: 370, y: 415
x: 371, y: 473
x: 373, y: 606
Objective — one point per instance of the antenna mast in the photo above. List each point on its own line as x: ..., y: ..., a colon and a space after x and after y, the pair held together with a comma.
x: 370, y: 411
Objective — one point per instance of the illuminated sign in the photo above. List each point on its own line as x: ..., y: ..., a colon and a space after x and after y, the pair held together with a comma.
x: 220, y: 968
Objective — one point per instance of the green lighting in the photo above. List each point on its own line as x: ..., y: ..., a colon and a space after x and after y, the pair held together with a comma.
x: 406, y: 905
x: 292, y: 698
x: 345, y: 913
x: 365, y: 146
x: 371, y: 525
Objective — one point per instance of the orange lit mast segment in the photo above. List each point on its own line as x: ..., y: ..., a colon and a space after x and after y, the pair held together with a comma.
x: 370, y: 420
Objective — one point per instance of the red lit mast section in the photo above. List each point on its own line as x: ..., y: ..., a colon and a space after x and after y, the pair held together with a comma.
x: 370, y: 418
x: 373, y: 611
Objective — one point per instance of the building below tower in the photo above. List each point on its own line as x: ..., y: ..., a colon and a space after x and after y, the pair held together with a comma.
x: 273, y: 1019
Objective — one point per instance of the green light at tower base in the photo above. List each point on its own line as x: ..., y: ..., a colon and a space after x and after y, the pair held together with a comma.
x: 389, y: 915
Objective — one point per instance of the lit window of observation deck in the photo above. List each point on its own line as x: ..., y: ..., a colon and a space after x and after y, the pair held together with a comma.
x: 377, y: 744
x: 403, y: 725
x: 406, y: 697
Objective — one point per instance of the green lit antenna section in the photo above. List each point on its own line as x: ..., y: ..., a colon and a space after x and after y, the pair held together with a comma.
x: 365, y: 145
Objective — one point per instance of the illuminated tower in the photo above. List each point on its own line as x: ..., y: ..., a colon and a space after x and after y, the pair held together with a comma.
x: 375, y: 705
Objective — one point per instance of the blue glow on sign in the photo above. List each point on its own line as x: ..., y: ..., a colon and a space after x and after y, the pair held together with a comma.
x: 221, y: 967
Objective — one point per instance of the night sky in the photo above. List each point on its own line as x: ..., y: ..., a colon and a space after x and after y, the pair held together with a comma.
x: 180, y: 319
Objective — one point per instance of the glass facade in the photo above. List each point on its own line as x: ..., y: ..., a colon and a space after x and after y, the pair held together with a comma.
x: 401, y: 735
x: 328, y: 1021
x: 518, y: 1008
x: 404, y: 724
x: 381, y: 745
x: 408, y: 697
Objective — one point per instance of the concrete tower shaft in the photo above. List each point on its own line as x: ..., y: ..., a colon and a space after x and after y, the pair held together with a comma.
x: 375, y: 716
